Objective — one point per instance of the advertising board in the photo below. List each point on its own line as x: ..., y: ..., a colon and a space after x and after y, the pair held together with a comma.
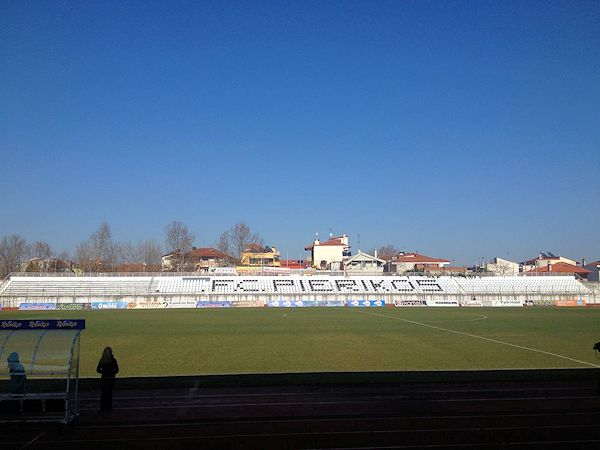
x: 410, y: 302
x: 37, y: 306
x: 329, y: 303
x: 441, y: 302
x: 43, y: 324
x: 287, y: 303
x: 119, y: 304
x: 72, y: 306
x: 472, y: 304
x: 365, y: 303
x: 507, y: 302
x: 573, y: 302
x: 181, y: 304
x: 149, y: 304
x: 209, y: 304
x: 248, y: 303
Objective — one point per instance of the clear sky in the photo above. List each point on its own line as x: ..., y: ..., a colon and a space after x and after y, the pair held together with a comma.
x: 461, y: 129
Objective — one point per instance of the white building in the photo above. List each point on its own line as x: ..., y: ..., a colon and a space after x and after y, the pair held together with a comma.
x: 329, y: 255
x: 364, y: 263
x: 502, y: 267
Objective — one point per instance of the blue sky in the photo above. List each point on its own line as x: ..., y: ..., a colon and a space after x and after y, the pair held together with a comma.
x: 459, y: 129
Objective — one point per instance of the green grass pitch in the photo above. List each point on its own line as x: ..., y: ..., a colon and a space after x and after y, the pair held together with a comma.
x: 271, y: 340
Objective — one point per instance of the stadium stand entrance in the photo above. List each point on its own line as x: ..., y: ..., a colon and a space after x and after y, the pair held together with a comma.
x: 39, y: 381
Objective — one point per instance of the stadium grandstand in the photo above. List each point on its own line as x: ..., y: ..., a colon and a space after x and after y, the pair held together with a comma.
x: 42, y: 291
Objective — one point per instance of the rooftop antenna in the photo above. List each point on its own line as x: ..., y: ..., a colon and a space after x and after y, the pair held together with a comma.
x: 358, y: 243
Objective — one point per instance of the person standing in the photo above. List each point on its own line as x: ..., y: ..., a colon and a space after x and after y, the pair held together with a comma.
x: 17, y: 374
x: 108, y: 368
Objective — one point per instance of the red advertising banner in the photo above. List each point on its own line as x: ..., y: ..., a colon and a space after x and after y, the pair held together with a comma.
x: 573, y: 302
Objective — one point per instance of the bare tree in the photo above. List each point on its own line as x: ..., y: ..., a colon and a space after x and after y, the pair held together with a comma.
x: 128, y: 253
x: 13, y: 249
x: 387, y: 251
x: 84, y: 256
x: 64, y: 256
x: 149, y: 252
x: 178, y: 237
x: 41, y: 250
x: 241, y: 237
x: 179, y: 241
x: 102, y: 243
x: 99, y: 252
x: 224, y: 243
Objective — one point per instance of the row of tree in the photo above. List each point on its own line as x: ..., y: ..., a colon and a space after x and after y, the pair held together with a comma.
x: 14, y: 250
x: 101, y: 252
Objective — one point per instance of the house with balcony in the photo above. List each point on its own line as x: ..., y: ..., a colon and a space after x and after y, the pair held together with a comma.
x: 256, y: 255
x: 330, y: 254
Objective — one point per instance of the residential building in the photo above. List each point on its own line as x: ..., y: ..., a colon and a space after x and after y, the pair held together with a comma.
x: 46, y: 265
x: 364, y: 263
x: 502, y: 267
x: 256, y: 255
x: 543, y: 259
x: 196, y: 260
x: 414, y: 262
x: 594, y: 269
x: 560, y: 268
x: 330, y: 254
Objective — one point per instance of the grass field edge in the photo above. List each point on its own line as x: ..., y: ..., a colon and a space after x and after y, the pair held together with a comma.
x: 347, y: 378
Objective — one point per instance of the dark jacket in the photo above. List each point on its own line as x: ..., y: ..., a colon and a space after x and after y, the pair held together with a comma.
x: 108, y: 370
x: 17, y: 374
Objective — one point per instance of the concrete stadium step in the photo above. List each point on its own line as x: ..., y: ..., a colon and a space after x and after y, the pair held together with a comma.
x: 273, y: 435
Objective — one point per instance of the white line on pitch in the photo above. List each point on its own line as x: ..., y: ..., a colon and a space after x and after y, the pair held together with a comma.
x: 36, y: 438
x: 481, y: 337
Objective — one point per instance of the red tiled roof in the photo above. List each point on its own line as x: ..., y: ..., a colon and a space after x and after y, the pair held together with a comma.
x: 560, y: 267
x: 293, y: 263
x: 332, y: 241
x: 416, y: 258
x: 595, y: 263
x: 447, y: 269
x: 206, y: 252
